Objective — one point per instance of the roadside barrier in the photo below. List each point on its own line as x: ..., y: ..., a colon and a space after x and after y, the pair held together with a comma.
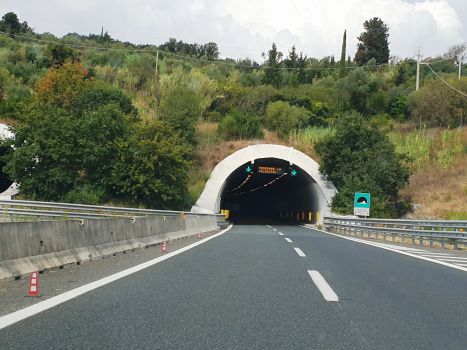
x: 440, y: 232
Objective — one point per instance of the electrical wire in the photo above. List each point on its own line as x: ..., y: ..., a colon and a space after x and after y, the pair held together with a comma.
x: 444, y: 81
x: 198, y: 59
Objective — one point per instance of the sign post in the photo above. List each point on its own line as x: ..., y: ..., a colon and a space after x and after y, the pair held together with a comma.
x: 362, y: 204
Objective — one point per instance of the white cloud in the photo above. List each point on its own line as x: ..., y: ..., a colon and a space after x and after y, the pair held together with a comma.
x: 247, y: 28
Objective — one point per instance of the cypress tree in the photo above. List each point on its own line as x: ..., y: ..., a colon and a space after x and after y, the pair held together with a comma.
x: 343, y: 54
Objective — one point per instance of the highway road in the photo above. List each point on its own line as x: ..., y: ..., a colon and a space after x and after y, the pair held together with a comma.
x: 252, y: 288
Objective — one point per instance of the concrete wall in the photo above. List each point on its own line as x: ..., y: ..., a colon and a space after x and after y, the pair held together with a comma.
x: 35, y: 246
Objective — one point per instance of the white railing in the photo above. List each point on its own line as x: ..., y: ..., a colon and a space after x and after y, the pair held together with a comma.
x: 15, y: 210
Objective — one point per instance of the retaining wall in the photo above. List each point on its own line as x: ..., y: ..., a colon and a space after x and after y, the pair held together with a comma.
x: 36, y: 246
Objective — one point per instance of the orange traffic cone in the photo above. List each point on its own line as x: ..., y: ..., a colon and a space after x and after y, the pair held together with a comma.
x: 164, y: 247
x: 34, y: 286
x: 199, y: 235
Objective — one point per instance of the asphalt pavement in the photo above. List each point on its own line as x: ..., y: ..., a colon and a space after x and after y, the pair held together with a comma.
x: 251, y: 288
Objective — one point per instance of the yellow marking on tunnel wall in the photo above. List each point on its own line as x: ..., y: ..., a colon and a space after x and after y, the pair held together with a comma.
x: 303, y: 216
x: 310, y: 216
x: 317, y: 216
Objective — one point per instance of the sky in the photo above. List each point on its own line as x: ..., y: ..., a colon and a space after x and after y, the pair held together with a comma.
x: 245, y: 28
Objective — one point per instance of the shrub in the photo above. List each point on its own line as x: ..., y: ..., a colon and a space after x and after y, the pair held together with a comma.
x: 361, y: 159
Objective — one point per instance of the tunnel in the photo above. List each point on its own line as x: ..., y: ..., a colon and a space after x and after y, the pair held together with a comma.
x: 268, y: 182
x: 5, y: 182
x: 270, y: 188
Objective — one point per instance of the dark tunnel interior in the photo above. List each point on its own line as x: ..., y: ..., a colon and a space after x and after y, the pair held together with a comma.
x: 272, y: 190
x: 4, y: 181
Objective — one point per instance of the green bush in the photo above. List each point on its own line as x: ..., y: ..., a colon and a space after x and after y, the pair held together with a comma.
x: 238, y: 125
x: 362, y: 159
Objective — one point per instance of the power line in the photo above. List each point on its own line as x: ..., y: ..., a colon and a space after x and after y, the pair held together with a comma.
x: 200, y: 60
x: 444, y: 81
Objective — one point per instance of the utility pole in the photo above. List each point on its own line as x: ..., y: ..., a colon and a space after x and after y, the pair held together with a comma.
x: 419, y: 59
x: 157, y: 61
x: 460, y: 68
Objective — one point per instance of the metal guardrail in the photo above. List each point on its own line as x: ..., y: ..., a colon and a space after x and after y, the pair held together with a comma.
x: 48, y: 210
x: 433, y: 231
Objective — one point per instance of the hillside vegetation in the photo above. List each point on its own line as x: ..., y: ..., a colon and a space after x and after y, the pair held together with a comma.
x: 96, y: 123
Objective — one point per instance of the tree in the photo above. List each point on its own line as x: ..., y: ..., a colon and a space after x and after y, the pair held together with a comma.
x: 273, y: 76
x: 357, y: 87
x: 57, y: 153
x: 342, y: 73
x: 92, y: 99
x: 292, y: 62
x: 58, y: 54
x: 373, y: 43
x: 301, y: 64
x: 60, y: 87
x: 151, y: 166
x: 282, y: 118
x: 182, y: 111
x: 439, y: 104
x: 360, y: 159
x: 10, y: 24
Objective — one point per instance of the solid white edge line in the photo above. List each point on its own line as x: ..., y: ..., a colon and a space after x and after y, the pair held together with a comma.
x: 300, y: 253
x: 288, y: 240
x: 32, y: 310
x: 323, y: 286
x: 280, y: 233
x: 390, y: 249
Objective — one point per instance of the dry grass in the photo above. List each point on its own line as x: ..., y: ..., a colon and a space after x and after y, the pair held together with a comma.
x: 439, y: 191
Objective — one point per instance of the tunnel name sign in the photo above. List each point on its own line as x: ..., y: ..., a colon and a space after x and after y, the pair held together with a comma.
x: 270, y: 170
x: 362, y: 204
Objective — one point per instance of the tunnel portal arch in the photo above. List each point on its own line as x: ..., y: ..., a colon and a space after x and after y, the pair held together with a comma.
x: 212, y: 196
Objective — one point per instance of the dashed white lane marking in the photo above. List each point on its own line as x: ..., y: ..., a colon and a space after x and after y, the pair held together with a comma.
x: 17, y: 316
x: 323, y: 286
x: 274, y: 229
x: 300, y: 253
x: 288, y: 240
x: 280, y: 233
x: 401, y: 250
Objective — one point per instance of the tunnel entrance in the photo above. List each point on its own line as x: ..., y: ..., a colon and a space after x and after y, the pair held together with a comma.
x: 5, y: 182
x: 270, y: 182
x: 270, y: 188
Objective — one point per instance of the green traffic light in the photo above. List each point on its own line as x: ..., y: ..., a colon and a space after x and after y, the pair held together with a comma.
x: 294, y: 172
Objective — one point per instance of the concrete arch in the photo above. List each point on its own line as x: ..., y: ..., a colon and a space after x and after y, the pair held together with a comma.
x: 9, y: 189
x: 210, y: 199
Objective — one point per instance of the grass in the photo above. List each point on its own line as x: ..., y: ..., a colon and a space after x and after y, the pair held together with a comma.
x: 439, y: 180
x: 311, y: 135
